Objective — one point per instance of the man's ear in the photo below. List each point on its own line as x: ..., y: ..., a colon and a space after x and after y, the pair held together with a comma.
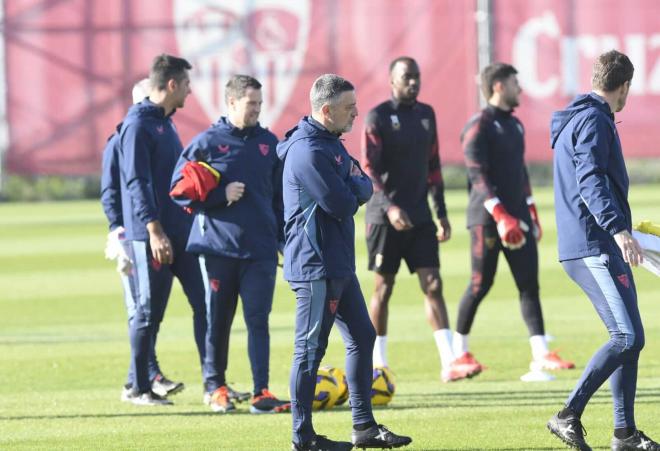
x: 325, y: 109
x: 171, y: 85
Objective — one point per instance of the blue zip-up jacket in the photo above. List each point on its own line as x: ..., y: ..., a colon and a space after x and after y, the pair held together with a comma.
x: 320, y: 198
x: 150, y: 148
x: 590, y: 179
x: 110, y: 184
x: 253, y: 226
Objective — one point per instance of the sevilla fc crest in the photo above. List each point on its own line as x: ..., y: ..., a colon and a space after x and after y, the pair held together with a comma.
x: 266, y: 39
x: 215, y: 285
x: 264, y: 149
x: 332, y: 304
x: 623, y: 278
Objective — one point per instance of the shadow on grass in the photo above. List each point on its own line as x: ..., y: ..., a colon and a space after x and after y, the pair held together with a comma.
x: 121, y: 415
x: 526, y: 398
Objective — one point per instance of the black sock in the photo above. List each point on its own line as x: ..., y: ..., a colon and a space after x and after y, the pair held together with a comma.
x: 566, y: 412
x: 623, y: 433
x: 364, y: 426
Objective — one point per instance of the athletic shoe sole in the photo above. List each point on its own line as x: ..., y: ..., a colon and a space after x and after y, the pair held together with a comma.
x: 569, y: 443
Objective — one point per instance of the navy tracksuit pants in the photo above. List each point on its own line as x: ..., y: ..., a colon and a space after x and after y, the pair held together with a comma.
x: 319, y: 304
x: 608, y: 282
x: 226, y: 278
x: 150, y: 284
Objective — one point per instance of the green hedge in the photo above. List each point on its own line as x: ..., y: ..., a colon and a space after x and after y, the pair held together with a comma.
x: 42, y: 188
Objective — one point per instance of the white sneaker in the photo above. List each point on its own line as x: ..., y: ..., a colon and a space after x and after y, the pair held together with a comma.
x: 537, y: 376
x: 128, y: 393
x: 151, y: 399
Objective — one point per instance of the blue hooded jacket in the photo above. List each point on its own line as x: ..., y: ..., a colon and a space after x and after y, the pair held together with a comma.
x: 252, y: 227
x: 149, y: 150
x: 590, y: 179
x: 320, y: 198
x: 110, y: 184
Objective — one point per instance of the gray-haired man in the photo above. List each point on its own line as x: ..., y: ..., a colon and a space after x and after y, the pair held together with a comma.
x: 322, y: 190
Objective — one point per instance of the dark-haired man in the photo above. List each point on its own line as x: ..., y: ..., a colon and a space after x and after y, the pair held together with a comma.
x: 323, y: 188
x: 111, y: 201
x: 237, y: 229
x: 501, y: 214
x: 400, y: 154
x: 596, y: 248
x: 156, y: 228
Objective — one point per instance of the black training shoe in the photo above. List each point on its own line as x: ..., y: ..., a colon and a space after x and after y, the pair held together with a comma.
x: 322, y: 443
x: 636, y: 441
x: 569, y: 431
x: 378, y: 436
x: 238, y: 396
x: 163, y: 387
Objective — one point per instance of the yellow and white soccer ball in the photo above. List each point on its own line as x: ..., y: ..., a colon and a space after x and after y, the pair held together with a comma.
x: 327, y: 391
x: 342, y: 386
x: 382, y: 387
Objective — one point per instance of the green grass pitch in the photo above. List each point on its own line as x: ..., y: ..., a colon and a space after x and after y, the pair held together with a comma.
x: 64, y: 350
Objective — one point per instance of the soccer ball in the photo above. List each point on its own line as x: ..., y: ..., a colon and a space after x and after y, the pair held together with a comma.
x: 342, y: 386
x: 327, y: 391
x: 382, y: 387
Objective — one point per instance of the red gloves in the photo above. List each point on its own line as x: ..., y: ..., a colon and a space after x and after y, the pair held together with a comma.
x: 538, y: 232
x: 511, y: 229
x: 197, y: 179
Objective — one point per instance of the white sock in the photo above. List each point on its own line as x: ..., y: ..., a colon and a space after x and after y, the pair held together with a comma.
x: 460, y: 344
x: 380, y: 351
x: 539, y: 346
x: 443, y: 342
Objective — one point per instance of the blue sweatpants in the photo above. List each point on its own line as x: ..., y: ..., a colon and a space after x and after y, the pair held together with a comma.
x: 225, y: 279
x: 150, y: 284
x: 319, y: 304
x: 608, y: 282
x: 153, y: 365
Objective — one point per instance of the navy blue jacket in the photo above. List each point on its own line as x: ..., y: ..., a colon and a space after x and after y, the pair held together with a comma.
x: 110, y: 184
x: 253, y: 226
x: 150, y: 148
x: 320, y: 198
x: 590, y: 178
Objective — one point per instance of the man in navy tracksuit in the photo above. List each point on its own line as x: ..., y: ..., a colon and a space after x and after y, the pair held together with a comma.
x: 156, y: 228
x: 236, y: 233
x: 111, y: 201
x: 596, y: 248
x: 323, y: 188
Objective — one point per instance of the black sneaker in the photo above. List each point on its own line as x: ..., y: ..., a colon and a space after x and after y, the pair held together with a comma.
x: 163, y: 387
x: 569, y: 431
x: 322, y: 443
x: 378, y: 436
x: 636, y: 441
x: 266, y: 402
x: 238, y: 396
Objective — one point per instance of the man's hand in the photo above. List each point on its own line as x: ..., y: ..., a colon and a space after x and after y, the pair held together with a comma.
x: 398, y: 218
x: 536, y: 224
x: 234, y: 191
x: 510, y: 229
x: 161, y: 248
x: 630, y: 248
x: 444, y: 230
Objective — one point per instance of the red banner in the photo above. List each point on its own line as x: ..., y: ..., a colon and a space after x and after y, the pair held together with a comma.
x: 70, y: 65
x: 553, y: 44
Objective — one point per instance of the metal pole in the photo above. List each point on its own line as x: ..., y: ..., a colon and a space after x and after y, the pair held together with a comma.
x: 4, y: 120
x: 484, y: 19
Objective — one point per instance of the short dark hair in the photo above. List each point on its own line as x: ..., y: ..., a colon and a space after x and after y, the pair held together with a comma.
x: 326, y: 89
x: 611, y: 70
x: 238, y: 84
x: 492, y: 74
x: 165, y: 68
x: 402, y: 59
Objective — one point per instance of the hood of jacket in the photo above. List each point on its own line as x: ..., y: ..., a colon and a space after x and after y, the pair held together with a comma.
x: 306, y: 128
x: 560, y: 119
